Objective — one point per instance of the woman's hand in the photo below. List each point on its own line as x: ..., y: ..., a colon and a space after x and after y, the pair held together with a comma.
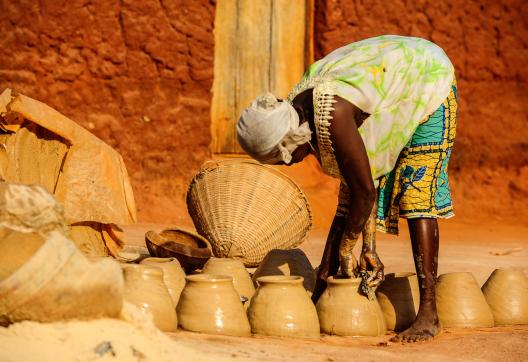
x: 370, y: 262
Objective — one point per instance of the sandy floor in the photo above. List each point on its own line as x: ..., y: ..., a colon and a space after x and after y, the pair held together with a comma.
x: 464, y: 247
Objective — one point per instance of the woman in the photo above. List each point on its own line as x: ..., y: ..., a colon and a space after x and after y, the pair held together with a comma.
x: 380, y: 115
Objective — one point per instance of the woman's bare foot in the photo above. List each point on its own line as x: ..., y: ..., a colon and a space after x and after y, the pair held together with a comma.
x: 426, y: 326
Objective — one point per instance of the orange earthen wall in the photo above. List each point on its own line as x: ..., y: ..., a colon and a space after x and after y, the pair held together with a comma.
x: 487, y: 41
x: 138, y: 74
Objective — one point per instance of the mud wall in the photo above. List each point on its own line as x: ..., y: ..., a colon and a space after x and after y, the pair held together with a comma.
x: 487, y: 41
x: 138, y: 74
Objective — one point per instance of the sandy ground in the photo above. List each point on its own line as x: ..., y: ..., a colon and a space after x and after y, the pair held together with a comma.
x: 464, y: 247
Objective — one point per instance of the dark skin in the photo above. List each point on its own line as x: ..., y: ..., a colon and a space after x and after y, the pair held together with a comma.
x: 354, y: 166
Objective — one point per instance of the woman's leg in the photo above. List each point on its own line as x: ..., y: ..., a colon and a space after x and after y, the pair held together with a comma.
x: 425, y: 241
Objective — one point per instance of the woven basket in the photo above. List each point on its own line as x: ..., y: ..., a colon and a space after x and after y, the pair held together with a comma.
x: 246, y: 209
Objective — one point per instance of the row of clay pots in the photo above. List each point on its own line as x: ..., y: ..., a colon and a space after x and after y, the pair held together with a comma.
x: 502, y: 300
x: 281, y: 307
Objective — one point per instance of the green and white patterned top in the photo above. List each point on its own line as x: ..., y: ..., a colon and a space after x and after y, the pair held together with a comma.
x: 398, y: 80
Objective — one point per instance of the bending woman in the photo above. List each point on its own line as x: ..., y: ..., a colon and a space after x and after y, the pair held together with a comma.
x: 380, y: 115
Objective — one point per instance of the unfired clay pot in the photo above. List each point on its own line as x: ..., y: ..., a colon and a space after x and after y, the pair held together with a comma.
x: 460, y: 302
x: 344, y: 311
x: 287, y: 262
x: 173, y: 275
x: 399, y: 299
x: 210, y: 304
x: 235, y: 269
x: 282, y: 307
x: 506, y: 292
x: 144, y: 288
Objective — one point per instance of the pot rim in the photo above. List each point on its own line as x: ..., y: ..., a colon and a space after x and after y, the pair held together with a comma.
x: 457, y: 275
x: 145, y: 268
x: 158, y: 260
x: 399, y: 275
x: 209, y: 278
x: 280, y: 279
x: 215, y: 259
x: 343, y: 280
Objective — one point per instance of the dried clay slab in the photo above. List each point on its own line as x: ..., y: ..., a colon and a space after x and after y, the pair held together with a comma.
x: 90, y: 170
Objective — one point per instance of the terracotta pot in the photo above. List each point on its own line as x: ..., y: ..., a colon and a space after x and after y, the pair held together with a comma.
x: 287, y: 262
x: 48, y: 279
x: 235, y: 269
x: 144, y: 288
x: 506, y: 292
x: 399, y: 299
x: 191, y: 249
x: 210, y: 304
x: 173, y: 275
x: 460, y: 302
x: 281, y: 307
x: 344, y: 311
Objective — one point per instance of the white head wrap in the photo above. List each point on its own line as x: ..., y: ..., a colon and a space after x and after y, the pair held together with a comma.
x: 269, y: 130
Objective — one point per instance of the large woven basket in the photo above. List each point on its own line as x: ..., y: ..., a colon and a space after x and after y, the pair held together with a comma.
x: 246, y: 209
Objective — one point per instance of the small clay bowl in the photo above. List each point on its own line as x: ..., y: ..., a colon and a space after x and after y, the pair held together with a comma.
x: 191, y: 250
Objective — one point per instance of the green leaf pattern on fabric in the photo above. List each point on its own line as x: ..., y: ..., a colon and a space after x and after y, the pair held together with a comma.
x: 398, y: 80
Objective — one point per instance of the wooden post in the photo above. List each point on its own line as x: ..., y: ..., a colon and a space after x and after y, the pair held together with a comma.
x: 260, y: 46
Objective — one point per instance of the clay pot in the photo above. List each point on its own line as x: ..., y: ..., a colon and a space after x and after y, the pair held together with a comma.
x: 287, y: 262
x: 210, y: 304
x: 235, y: 269
x: 460, y: 302
x: 281, y: 307
x: 506, y: 292
x: 173, y: 275
x: 344, y: 311
x: 399, y: 299
x: 144, y: 288
x: 191, y: 249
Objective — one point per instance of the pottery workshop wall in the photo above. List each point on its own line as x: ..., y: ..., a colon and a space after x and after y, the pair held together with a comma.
x: 487, y: 41
x: 139, y: 73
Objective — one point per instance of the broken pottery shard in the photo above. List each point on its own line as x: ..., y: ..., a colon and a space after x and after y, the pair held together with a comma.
x: 93, y: 183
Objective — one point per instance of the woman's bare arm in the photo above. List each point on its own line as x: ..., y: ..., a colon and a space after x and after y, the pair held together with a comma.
x: 354, y: 166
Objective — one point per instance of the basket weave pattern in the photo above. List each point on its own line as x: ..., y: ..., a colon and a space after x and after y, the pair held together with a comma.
x: 246, y: 209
